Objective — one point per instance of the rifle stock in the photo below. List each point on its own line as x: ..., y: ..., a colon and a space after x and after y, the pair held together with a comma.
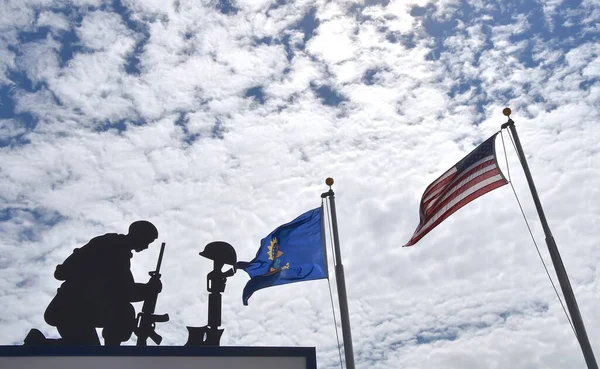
x: 157, y: 338
x: 146, y: 319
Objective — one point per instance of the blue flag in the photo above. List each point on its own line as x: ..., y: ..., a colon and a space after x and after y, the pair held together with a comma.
x: 293, y: 252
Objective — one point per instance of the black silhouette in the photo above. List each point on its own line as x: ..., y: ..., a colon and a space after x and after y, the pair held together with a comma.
x: 146, y: 320
x: 221, y: 253
x: 98, y: 289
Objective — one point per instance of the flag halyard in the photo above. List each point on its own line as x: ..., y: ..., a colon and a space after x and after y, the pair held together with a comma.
x: 475, y: 175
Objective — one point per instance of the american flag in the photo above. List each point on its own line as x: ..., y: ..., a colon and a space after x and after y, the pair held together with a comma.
x: 475, y: 175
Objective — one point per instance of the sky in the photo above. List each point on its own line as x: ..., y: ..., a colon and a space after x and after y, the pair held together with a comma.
x: 221, y: 119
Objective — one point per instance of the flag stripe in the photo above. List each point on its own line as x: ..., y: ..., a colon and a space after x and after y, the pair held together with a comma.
x: 458, y: 198
x: 440, y: 186
x: 428, y: 195
x: 463, y: 185
x: 436, y: 183
x: 467, y: 192
x: 487, y: 161
x: 457, y: 206
x: 473, y: 176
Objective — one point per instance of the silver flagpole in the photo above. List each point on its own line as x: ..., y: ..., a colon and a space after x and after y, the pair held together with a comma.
x: 340, y: 280
x: 565, y: 285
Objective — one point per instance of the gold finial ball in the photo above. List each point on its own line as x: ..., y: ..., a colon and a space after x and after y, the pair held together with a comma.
x: 506, y: 112
x: 329, y: 181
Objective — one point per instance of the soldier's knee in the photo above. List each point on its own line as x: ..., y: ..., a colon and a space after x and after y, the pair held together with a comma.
x: 122, y: 326
x: 53, y: 315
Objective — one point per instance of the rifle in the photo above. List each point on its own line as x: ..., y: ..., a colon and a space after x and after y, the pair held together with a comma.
x: 221, y: 253
x: 146, y: 319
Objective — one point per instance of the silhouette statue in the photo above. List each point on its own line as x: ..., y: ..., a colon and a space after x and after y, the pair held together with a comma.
x: 97, y: 290
x: 220, y: 253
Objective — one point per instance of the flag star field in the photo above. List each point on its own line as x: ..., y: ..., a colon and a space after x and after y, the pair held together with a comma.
x: 220, y: 120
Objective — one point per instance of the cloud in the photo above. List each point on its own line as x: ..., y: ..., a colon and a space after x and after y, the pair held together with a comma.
x: 53, y: 20
x: 220, y: 120
x: 10, y: 128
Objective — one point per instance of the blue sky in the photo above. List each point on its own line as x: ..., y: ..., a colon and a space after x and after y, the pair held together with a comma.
x: 219, y: 120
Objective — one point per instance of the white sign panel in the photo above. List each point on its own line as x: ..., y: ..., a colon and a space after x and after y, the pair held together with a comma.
x: 156, y: 357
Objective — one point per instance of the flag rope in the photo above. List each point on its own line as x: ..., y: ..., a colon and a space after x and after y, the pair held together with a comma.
x: 337, y: 336
x: 531, y: 234
x: 505, y: 156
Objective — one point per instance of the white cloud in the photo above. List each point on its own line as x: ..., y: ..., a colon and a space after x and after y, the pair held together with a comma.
x: 39, y: 60
x: 335, y: 43
x: 53, y: 20
x: 10, y: 128
x: 209, y: 163
x: 100, y: 30
x: 7, y: 61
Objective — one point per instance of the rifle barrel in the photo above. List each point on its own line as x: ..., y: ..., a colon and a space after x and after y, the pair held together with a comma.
x: 160, y: 256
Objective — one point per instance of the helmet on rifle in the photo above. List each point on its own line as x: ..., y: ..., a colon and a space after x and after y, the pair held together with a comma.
x: 220, y: 251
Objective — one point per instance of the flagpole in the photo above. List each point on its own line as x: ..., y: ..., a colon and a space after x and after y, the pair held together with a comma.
x: 340, y: 281
x: 565, y: 285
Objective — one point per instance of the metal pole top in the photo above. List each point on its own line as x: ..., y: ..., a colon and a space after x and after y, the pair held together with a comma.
x: 329, y: 182
x: 507, y: 112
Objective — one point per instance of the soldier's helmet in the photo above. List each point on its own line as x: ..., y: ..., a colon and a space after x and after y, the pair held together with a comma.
x: 143, y: 230
x: 220, y: 251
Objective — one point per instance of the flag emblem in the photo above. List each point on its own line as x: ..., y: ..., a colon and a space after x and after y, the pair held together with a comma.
x: 475, y: 175
x: 274, y: 253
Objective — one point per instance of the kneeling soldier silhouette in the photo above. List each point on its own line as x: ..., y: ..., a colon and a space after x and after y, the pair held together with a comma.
x: 98, y: 289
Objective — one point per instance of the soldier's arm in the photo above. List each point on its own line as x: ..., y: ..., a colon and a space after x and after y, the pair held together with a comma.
x: 139, y: 292
x: 142, y: 291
